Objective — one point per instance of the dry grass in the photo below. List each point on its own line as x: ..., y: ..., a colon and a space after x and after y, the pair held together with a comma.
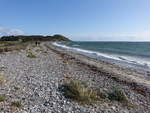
x: 2, y: 79
x: 12, y: 45
x: 31, y: 55
x: 5, y: 43
x: 79, y: 91
x: 67, y: 76
x: 2, y: 98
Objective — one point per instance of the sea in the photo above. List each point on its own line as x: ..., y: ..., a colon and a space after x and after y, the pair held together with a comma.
x: 134, y: 55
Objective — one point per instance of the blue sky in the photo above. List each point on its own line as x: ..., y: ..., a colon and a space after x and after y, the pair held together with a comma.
x: 104, y: 20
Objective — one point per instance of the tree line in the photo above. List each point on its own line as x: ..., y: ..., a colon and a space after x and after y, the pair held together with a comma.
x: 34, y: 38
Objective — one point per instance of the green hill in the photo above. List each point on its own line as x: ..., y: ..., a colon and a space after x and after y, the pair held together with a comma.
x: 35, y: 38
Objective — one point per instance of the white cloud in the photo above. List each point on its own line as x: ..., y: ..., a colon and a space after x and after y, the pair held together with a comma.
x: 7, y: 31
x: 140, y: 36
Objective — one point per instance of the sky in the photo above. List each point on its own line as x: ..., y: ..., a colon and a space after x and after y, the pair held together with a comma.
x: 80, y: 20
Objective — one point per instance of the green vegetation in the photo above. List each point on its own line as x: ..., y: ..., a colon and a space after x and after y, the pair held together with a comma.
x: 2, y: 98
x: 31, y: 55
x: 102, y: 94
x: 16, y: 88
x: 12, y: 45
x: 117, y: 95
x: 3, y: 43
x: 45, y: 52
x: 16, y: 104
x: 2, y: 79
x: 34, y: 38
x: 1, y: 109
x: 67, y: 76
x: 5, y: 49
x: 79, y: 91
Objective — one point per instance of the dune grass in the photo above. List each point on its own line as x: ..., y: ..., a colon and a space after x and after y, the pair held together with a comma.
x: 117, y: 94
x: 67, y: 76
x: 79, y: 91
x: 31, y: 55
x: 2, y: 79
x: 6, y: 46
x: 5, y: 43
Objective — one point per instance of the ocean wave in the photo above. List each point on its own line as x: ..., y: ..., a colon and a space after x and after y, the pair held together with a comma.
x: 117, y: 57
x: 135, y: 61
x: 86, y: 51
x: 75, y: 45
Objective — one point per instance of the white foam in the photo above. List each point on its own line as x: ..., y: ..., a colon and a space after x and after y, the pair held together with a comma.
x: 87, y: 51
x: 137, y: 61
x: 128, y: 59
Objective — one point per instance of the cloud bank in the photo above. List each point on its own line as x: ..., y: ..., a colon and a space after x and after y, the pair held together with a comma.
x: 141, y: 36
x: 7, y: 31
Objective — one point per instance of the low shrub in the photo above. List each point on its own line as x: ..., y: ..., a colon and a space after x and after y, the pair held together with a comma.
x: 117, y: 95
x: 16, y: 104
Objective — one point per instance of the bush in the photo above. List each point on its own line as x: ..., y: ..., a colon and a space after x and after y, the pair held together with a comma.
x: 117, y: 95
x: 16, y: 104
x: 79, y: 91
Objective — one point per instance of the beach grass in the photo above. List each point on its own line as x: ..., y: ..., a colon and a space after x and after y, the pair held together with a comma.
x: 67, y: 76
x: 117, y: 94
x: 2, y: 79
x: 78, y: 91
x: 31, y: 55
x: 6, y: 46
x: 2, y: 98
x: 16, y: 104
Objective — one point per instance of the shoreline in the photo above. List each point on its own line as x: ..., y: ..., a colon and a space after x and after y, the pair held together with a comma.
x: 33, y: 76
x: 122, y: 60
x: 137, y: 79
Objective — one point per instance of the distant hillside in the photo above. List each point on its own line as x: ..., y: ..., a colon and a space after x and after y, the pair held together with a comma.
x: 35, y: 38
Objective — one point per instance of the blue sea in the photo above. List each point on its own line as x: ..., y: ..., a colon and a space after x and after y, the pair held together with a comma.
x: 134, y: 55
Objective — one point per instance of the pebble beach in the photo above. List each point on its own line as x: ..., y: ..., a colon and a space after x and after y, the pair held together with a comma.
x: 34, y: 82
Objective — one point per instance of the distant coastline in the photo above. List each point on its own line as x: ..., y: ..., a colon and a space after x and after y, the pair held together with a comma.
x: 24, y: 38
